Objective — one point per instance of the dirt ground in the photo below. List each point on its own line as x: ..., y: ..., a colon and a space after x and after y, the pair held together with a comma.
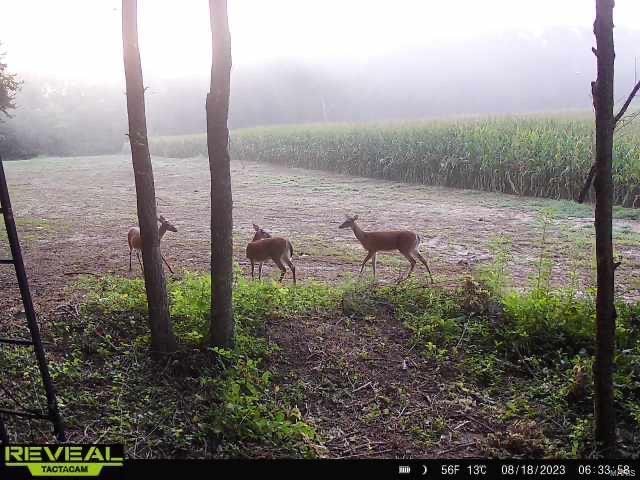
x: 73, y: 216
x: 370, y: 394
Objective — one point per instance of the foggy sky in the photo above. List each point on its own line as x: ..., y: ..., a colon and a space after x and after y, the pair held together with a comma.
x: 81, y: 39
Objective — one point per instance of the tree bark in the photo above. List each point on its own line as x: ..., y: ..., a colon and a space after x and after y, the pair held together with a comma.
x: 604, y: 412
x: 221, y: 332
x: 162, y: 338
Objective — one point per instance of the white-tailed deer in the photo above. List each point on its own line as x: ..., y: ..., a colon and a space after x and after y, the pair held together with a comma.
x: 135, y: 240
x: 406, y: 242
x: 264, y: 247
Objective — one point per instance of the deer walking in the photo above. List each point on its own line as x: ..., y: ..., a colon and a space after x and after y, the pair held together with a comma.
x: 264, y: 247
x: 135, y: 240
x: 406, y: 242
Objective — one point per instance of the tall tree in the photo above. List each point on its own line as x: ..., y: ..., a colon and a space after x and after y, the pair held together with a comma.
x: 9, y: 86
x: 221, y: 332
x: 602, y: 89
x: 162, y: 338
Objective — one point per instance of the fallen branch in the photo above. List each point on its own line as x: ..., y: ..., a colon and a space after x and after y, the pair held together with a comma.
x: 353, y: 455
x: 80, y: 273
x: 361, y: 387
x: 478, y: 422
x: 457, y: 447
x: 464, y: 330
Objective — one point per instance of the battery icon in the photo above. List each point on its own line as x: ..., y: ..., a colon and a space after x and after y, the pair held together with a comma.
x: 404, y: 469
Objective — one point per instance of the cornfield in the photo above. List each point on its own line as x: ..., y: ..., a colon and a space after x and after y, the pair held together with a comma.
x: 541, y: 157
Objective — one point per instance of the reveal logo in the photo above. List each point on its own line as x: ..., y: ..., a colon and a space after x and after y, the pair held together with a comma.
x: 64, y: 460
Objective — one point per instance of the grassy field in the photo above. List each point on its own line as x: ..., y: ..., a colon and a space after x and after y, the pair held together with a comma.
x: 531, y: 156
x: 90, y: 205
x: 489, y: 361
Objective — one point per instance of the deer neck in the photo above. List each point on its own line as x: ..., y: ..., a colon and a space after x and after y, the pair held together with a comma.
x: 359, y: 233
x: 161, y: 231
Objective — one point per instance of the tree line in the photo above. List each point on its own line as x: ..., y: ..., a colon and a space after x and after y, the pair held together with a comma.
x: 524, y: 74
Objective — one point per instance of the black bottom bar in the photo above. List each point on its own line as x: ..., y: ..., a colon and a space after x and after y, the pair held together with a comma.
x: 393, y: 469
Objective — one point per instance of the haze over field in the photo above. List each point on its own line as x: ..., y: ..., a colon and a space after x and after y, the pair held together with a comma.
x: 298, y: 62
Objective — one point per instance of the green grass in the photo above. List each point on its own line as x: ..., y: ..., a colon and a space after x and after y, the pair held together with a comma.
x: 532, y: 156
x: 194, y: 404
x: 530, y: 353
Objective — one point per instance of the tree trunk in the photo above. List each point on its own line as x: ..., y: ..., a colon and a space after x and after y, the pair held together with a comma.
x: 162, y: 338
x: 605, y: 427
x: 221, y: 332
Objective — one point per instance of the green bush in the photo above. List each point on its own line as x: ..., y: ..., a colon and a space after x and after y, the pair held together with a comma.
x: 242, y: 403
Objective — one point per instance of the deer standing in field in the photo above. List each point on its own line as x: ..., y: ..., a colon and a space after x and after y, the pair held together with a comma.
x: 406, y: 242
x: 135, y: 240
x: 264, y: 247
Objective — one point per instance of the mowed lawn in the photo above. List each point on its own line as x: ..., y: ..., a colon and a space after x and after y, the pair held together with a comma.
x: 73, y: 215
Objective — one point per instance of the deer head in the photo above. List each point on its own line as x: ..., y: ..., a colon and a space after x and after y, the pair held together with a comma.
x: 165, y: 225
x: 260, y: 233
x: 348, y: 222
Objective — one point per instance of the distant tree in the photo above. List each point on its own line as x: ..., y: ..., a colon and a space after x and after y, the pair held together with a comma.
x: 221, y: 332
x: 162, y: 338
x: 9, y: 87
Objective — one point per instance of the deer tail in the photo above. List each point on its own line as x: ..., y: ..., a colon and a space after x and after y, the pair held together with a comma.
x: 290, y: 248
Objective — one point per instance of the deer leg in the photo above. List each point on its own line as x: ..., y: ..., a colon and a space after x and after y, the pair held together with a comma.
x: 260, y: 271
x: 167, y: 264
x: 421, y: 258
x: 140, y: 261
x: 291, y: 267
x: 278, y: 262
x: 252, y: 268
x: 130, y: 252
x: 374, y: 259
x: 413, y: 264
x: 369, y: 255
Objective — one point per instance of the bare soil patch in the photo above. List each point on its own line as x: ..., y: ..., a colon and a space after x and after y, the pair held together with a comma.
x: 370, y: 394
x: 74, y: 215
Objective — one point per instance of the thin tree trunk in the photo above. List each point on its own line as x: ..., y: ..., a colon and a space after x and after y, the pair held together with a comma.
x: 162, y: 338
x: 221, y: 331
x: 605, y: 426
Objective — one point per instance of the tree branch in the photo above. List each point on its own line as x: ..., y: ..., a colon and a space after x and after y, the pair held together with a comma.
x: 633, y: 93
x: 587, y: 184
x: 616, y: 119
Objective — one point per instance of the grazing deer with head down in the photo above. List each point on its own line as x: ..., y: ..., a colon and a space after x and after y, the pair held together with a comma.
x: 135, y: 240
x: 406, y: 242
x: 264, y: 247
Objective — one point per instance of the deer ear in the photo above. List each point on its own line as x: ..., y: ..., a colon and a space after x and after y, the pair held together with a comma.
x: 355, y: 218
x: 256, y: 227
